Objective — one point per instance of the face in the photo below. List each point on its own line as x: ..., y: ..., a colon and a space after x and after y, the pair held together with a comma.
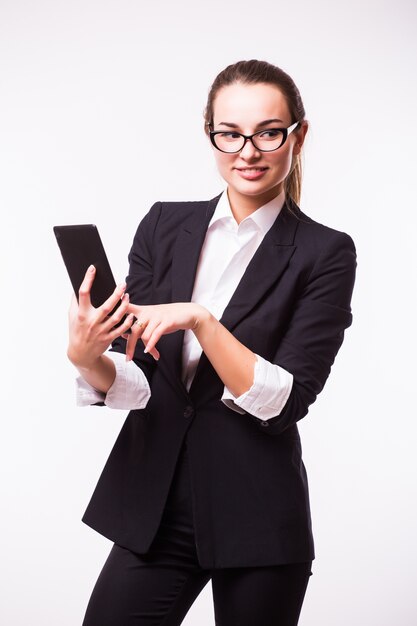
x: 254, y: 177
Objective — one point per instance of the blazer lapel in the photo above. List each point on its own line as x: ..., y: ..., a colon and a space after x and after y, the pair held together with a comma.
x: 265, y: 268
x: 187, y: 252
x: 184, y: 267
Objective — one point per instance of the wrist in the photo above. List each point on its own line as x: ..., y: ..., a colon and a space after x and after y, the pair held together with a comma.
x: 100, y: 373
x: 90, y: 366
x: 83, y: 364
x: 204, y: 320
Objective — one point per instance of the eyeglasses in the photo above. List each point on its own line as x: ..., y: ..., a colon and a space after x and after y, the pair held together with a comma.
x: 266, y: 140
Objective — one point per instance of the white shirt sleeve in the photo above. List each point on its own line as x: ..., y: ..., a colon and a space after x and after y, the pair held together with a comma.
x: 130, y: 389
x: 266, y: 398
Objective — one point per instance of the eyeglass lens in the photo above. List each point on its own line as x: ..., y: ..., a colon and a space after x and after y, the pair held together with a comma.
x: 265, y: 140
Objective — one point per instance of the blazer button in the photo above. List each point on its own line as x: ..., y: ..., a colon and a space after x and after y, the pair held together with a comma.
x: 188, y: 411
x: 264, y: 423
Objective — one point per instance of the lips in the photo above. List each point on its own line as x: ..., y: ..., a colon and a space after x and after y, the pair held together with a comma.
x: 251, y: 173
x: 250, y: 169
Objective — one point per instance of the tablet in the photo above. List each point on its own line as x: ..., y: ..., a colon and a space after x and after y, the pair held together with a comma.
x: 81, y: 246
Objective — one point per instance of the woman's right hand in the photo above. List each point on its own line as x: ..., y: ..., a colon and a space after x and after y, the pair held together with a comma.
x: 91, y: 330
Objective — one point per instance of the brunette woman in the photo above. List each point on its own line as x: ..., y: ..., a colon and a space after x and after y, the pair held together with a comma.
x: 236, y: 308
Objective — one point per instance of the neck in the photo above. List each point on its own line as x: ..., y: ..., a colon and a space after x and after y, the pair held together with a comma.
x: 243, y: 205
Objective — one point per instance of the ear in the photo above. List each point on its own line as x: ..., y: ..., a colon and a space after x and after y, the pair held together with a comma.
x: 300, y: 135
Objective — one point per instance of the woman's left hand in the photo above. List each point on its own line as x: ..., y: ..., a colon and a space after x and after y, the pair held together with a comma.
x: 153, y: 321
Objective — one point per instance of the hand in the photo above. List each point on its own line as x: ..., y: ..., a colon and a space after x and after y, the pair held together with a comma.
x: 92, y: 330
x: 153, y: 321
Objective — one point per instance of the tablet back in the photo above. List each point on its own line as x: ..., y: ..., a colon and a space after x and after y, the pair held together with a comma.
x: 81, y: 246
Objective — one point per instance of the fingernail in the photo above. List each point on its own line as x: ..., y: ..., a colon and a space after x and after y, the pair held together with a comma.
x: 126, y: 296
x: 145, y: 351
x: 91, y: 268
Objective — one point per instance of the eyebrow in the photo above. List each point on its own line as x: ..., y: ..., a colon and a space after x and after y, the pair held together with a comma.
x: 264, y: 123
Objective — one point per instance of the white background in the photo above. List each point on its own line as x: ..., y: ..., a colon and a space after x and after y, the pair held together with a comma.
x: 101, y: 115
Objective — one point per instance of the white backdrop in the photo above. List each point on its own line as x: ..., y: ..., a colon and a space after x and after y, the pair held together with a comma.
x: 101, y: 115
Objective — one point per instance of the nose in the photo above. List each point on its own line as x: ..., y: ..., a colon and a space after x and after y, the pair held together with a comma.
x: 249, y: 152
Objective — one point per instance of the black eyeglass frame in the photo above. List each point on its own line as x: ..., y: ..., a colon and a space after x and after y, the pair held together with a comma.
x: 285, y: 133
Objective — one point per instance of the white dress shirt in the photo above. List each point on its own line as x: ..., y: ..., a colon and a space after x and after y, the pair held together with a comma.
x: 227, y: 250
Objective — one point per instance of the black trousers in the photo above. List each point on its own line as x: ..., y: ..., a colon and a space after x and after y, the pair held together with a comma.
x: 158, y: 588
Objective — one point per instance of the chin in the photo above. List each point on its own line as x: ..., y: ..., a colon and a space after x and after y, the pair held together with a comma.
x: 254, y: 190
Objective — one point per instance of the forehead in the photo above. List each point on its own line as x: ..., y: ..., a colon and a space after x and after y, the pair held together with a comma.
x: 250, y: 104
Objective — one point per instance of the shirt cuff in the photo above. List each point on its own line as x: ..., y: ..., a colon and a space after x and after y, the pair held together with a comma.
x: 130, y: 389
x: 268, y: 394
x: 86, y: 395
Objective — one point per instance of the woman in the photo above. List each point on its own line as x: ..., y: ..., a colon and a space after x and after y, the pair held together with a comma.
x: 241, y: 303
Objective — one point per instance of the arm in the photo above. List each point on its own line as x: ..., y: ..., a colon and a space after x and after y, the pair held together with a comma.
x: 266, y: 398
x: 307, y: 349
x: 316, y: 329
x: 100, y: 375
x: 252, y: 384
x: 233, y: 362
x: 130, y: 389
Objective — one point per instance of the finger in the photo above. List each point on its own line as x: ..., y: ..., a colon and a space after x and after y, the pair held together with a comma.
x: 112, y: 320
x: 154, y: 352
x: 121, y: 330
x: 148, y: 330
x: 135, y: 309
x: 129, y: 355
x: 151, y: 337
x: 107, y: 307
x: 136, y: 333
x: 84, y: 299
x: 132, y: 340
x: 140, y: 326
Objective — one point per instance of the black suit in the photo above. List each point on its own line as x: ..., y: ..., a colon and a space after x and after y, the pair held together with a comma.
x: 249, y: 485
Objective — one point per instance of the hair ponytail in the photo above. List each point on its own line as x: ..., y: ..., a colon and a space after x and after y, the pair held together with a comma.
x: 292, y: 184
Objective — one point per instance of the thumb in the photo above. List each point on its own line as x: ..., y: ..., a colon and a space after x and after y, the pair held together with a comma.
x: 84, y: 299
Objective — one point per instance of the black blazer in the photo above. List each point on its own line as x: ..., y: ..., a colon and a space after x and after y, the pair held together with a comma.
x: 249, y: 485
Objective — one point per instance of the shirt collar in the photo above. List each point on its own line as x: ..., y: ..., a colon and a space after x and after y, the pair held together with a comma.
x: 263, y: 217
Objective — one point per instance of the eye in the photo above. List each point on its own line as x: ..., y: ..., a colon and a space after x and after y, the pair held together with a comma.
x: 228, y: 136
x: 270, y: 134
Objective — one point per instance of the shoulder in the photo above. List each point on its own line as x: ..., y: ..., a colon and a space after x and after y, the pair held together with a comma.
x: 180, y: 211
x: 324, y: 260
x: 322, y: 252
x: 169, y: 217
x: 317, y: 237
x: 165, y: 220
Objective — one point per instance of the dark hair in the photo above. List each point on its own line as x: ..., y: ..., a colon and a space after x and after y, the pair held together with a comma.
x: 250, y: 72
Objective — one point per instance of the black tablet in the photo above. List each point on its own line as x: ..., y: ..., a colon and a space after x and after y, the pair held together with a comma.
x: 81, y: 246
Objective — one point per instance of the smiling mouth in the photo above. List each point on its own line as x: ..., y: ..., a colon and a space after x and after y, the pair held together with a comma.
x: 251, y: 169
x: 251, y: 173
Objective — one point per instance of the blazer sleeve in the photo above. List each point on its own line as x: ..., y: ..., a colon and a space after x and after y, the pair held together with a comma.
x: 139, y: 282
x: 316, y: 329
